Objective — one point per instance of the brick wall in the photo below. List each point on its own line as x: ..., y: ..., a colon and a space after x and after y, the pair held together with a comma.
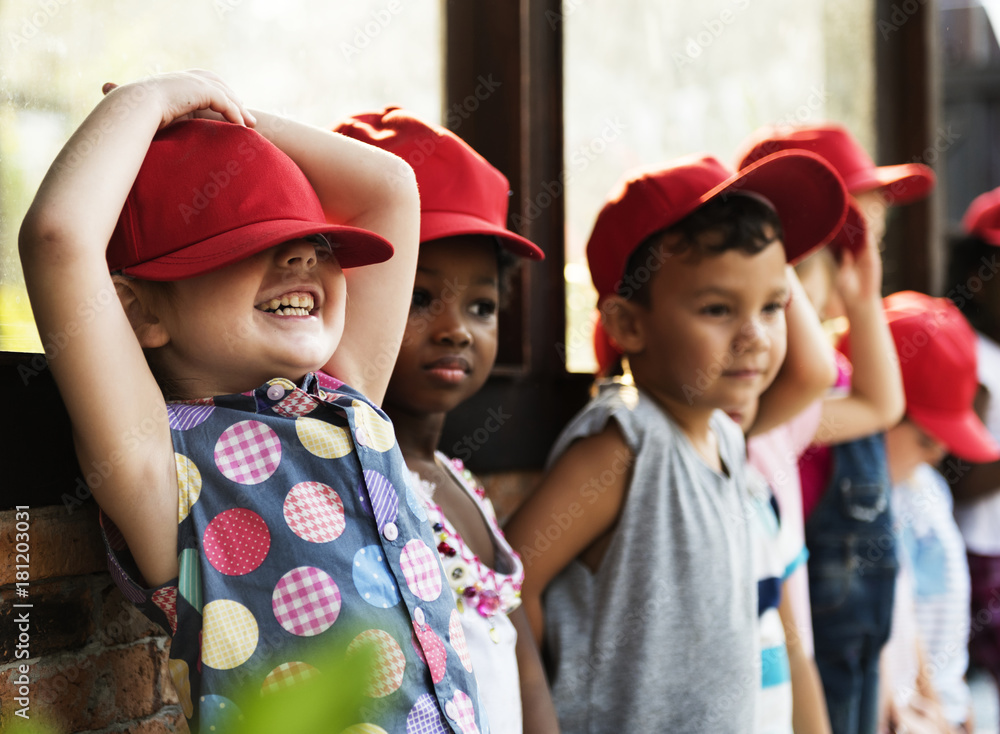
x: 94, y: 663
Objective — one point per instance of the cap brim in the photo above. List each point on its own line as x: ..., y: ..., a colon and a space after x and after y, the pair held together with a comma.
x: 963, y: 433
x: 436, y: 225
x: 853, y: 236
x: 352, y: 246
x: 807, y: 193
x: 900, y: 184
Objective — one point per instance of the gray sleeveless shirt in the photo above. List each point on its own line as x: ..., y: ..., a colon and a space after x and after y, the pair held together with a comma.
x: 662, y: 638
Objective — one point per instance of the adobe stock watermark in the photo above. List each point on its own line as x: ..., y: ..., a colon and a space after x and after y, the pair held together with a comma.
x: 465, y: 447
x: 30, y: 26
x: 712, y: 29
x: 567, y: 8
x: 372, y: 28
x: 898, y: 15
x: 579, y: 160
x: 216, y: 182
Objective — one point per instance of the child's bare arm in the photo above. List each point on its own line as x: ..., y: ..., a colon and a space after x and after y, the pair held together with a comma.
x: 809, y: 714
x: 571, y: 490
x: 113, y: 401
x: 876, y: 401
x: 537, y: 711
x: 361, y: 186
x: 808, y: 370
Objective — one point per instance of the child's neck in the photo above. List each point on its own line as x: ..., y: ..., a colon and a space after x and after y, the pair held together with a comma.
x: 417, y: 434
x: 695, y: 422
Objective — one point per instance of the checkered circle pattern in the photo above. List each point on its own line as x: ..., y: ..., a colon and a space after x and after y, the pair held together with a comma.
x: 457, y: 638
x: 425, y: 717
x: 229, y: 635
x: 466, y: 713
x: 248, y: 452
x: 314, y: 512
x: 287, y: 675
x: 378, y: 431
x: 422, y: 570
x: 387, y: 661
x: 306, y: 601
x: 323, y: 440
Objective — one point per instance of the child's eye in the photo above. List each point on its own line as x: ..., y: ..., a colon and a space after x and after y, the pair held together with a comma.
x: 716, y: 309
x: 484, y: 308
x: 421, y: 299
x: 774, y: 308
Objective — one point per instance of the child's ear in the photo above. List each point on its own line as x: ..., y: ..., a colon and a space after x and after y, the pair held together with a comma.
x: 137, y: 301
x: 623, y: 324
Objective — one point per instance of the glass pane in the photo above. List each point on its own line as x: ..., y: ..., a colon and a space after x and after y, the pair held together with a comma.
x: 313, y: 60
x: 649, y: 82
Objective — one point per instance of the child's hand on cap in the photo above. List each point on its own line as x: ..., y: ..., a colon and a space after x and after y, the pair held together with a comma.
x: 192, y: 94
x: 859, y: 276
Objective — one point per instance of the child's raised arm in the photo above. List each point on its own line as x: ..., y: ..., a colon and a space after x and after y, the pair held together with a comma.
x: 362, y: 186
x: 808, y: 370
x: 876, y: 401
x: 574, y: 503
x: 115, y: 405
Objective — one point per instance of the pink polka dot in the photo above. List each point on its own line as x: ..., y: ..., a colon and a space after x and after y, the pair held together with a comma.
x: 236, y: 541
x: 314, y: 512
x: 435, y: 654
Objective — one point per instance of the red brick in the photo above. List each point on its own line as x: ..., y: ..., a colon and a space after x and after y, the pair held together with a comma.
x: 60, y: 618
x: 168, y: 721
x: 61, y: 543
x: 90, y: 692
x: 119, y: 621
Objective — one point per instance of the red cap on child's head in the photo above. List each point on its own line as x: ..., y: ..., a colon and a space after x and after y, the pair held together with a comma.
x: 899, y: 184
x: 460, y: 192
x: 937, y: 357
x: 982, y: 218
x: 804, y: 190
x: 209, y: 194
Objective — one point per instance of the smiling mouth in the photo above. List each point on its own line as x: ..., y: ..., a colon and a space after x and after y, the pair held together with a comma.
x: 290, y: 304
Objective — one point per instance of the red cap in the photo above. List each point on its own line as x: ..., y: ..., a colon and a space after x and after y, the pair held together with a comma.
x: 937, y: 357
x: 806, y: 193
x: 209, y: 194
x: 899, y: 184
x: 460, y: 192
x: 982, y: 218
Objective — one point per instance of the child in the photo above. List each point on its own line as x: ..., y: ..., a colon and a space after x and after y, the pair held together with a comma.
x: 650, y: 595
x: 261, y: 520
x: 937, y: 351
x: 975, y: 289
x: 448, y: 350
x: 850, y: 585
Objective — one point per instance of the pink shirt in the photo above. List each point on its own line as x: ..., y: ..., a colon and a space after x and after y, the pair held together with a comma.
x: 775, y: 454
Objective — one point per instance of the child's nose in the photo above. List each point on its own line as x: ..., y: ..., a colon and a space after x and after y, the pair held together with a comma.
x: 753, y: 336
x: 450, y: 328
x: 297, y: 253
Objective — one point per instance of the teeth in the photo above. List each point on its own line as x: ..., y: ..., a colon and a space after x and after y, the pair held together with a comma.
x: 298, y: 304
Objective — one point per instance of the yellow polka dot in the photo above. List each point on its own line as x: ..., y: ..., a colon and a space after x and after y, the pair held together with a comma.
x: 229, y: 634
x: 188, y: 485
x: 182, y: 684
x: 380, y: 434
x: 323, y: 440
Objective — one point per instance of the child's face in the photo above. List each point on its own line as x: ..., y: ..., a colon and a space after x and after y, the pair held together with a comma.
x: 907, y: 446
x: 450, y: 343
x: 229, y: 330
x: 715, y: 328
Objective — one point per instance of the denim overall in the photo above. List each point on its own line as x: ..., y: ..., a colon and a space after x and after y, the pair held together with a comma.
x: 852, y: 572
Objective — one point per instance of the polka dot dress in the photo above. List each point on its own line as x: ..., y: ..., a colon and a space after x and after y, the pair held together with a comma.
x: 294, y: 549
